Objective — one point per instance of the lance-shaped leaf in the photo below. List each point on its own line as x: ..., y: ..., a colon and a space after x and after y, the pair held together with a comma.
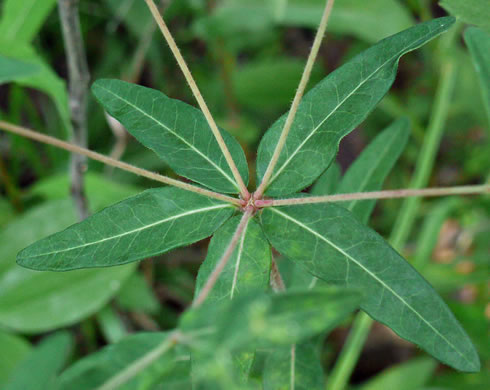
x: 176, y: 131
x: 39, y: 369
x: 334, y: 246
x: 335, y: 107
x: 136, y: 362
x: 470, y: 11
x: 145, y: 225
x: 248, y: 269
x: 370, y: 169
x: 328, y: 182
x: 297, y: 367
x: 478, y: 42
x: 246, y: 272
x: 14, y: 350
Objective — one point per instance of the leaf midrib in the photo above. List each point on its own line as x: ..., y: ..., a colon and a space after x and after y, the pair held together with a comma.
x: 19, y: 22
x: 219, y: 169
x: 196, y: 211
x: 239, y: 257
x: 398, y: 54
x: 315, y: 233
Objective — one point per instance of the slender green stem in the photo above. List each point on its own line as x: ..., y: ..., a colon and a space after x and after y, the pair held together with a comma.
x: 405, y: 221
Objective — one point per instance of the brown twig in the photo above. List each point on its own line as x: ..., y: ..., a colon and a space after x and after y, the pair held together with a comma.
x: 115, y: 163
x: 200, y: 100
x: 297, y: 98
x: 79, y: 77
x: 389, y: 194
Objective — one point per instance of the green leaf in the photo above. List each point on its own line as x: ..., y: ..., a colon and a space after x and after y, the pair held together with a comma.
x: 336, y: 247
x: 478, y: 43
x: 407, y: 376
x: 176, y: 131
x: 14, y: 350
x: 335, y: 107
x: 368, y: 20
x: 328, y: 181
x: 12, y: 69
x: 145, y: 225
x: 369, y: 170
x: 265, y: 320
x: 475, y: 12
x: 247, y: 270
x: 297, y: 367
x: 22, y: 19
x: 45, y: 80
x: 34, y: 302
x: 38, y: 371
x: 256, y: 85
x: 136, y: 295
x: 109, y: 365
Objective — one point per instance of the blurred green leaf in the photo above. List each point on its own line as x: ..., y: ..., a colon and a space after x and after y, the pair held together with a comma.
x: 14, y: 350
x: 162, y: 124
x: 22, y: 19
x: 337, y: 248
x: 334, y: 107
x: 368, y: 20
x: 267, y: 85
x: 475, y: 12
x: 34, y: 302
x: 136, y: 295
x: 264, y: 320
x: 136, y: 362
x: 407, y: 376
x: 137, y: 223
x: 294, y: 368
x: 478, y: 43
x: 12, y: 69
x: 39, y: 369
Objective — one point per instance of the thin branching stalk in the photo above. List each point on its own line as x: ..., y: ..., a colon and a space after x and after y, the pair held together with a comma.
x: 388, y: 194
x: 136, y: 367
x: 78, y: 79
x: 297, y: 98
x: 115, y: 163
x: 211, y: 281
x: 200, y: 100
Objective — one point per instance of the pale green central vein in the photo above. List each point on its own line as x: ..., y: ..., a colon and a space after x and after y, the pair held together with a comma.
x: 201, y: 210
x: 315, y: 233
x: 14, y: 27
x: 239, y: 258
x: 398, y: 54
x: 218, y: 168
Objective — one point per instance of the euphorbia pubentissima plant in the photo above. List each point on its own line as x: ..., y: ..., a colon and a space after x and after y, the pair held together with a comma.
x: 233, y: 316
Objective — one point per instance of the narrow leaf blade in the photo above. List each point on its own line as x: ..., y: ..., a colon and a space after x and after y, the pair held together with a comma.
x: 370, y: 169
x: 339, y: 249
x: 335, y: 107
x: 12, y: 69
x: 177, y: 132
x: 145, y: 225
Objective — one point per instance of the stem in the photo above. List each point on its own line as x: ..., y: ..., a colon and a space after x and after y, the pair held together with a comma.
x: 115, y: 163
x: 211, y: 281
x: 350, y: 352
x: 137, y: 366
x: 405, y: 221
x: 388, y: 194
x: 277, y: 282
x: 200, y: 100
x: 297, y: 98
x: 79, y: 78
